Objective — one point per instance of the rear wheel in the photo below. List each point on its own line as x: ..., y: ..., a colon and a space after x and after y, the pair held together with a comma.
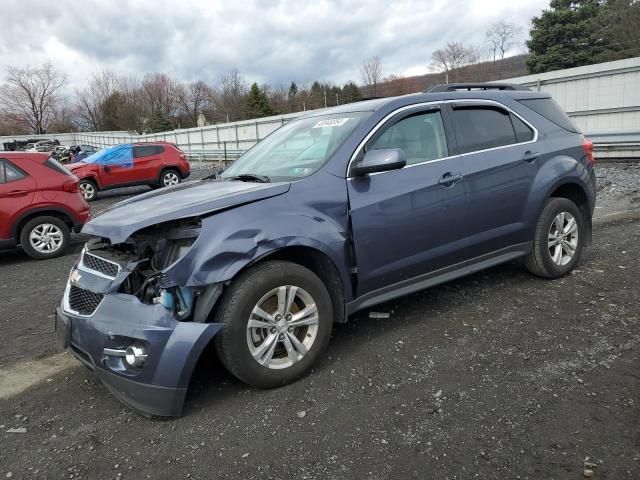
x: 169, y: 178
x: 559, y: 239
x: 88, y: 189
x: 277, y: 321
x: 44, y: 237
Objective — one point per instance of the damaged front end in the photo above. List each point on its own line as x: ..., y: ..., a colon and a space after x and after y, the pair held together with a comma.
x: 126, y: 319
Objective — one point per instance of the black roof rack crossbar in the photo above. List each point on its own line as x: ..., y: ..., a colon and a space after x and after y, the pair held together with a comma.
x: 454, y: 87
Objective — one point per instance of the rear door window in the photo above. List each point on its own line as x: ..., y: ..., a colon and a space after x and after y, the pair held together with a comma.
x: 524, y: 133
x: 481, y: 128
x: 421, y: 136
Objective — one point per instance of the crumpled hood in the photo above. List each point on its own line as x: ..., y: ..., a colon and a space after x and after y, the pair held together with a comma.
x: 189, y: 199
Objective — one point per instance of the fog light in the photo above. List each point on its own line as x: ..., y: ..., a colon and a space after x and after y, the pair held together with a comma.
x: 135, y: 355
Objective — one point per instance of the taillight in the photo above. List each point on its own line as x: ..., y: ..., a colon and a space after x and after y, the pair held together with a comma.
x: 587, y: 146
x: 71, y: 187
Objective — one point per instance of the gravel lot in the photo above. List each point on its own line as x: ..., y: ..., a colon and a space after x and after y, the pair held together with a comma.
x: 498, y: 375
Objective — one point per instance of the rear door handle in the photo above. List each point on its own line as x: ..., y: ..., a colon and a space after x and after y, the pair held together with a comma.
x: 16, y: 193
x: 530, y: 156
x: 449, y: 179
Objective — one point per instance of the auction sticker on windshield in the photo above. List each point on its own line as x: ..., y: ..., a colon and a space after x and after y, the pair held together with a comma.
x: 332, y: 122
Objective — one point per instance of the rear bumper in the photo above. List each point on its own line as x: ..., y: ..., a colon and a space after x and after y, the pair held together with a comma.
x: 159, y: 387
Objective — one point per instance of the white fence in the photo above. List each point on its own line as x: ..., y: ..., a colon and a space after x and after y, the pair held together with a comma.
x: 603, y: 99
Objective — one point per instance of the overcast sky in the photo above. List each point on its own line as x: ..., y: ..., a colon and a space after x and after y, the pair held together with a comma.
x: 268, y: 41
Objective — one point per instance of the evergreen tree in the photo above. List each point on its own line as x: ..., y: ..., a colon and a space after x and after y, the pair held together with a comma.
x: 293, y: 90
x: 619, y: 23
x: 293, y: 93
x: 257, y: 104
x: 158, y: 122
x: 564, y: 36
x: 350, y: 93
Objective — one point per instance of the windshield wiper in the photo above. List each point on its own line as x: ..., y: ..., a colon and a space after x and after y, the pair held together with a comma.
x: 250, y: 177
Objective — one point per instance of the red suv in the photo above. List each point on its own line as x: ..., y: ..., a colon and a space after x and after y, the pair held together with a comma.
x: 158, y: 164
x: 40, y: 203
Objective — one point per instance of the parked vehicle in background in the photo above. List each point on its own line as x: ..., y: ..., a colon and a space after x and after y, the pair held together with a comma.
x: 158, y: 164
x: 40, y: 204
x: 333, y: 213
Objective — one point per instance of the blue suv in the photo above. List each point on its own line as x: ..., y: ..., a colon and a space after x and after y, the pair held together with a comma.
x: 333, y: 213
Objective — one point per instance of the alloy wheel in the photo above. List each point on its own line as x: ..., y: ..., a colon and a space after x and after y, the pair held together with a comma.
x: 46, y: 238
x: 87, y: 190
x: 282, y: 327
x: 170, y: 178
x: 563, y: 238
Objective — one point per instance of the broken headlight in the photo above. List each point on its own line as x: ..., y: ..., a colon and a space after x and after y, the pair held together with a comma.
x: 166, y: 243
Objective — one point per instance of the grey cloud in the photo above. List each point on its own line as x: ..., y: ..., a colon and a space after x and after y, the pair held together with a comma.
x: 270, y: 41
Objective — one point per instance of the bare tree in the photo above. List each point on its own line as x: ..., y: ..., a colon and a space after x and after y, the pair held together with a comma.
x: 91, y: 101
x: 159, y: 94
x: 455, y: 55
x: 193, y: 99
x: 30, y: 96
x: 371, y: 73
x: 132, y: 114
x: 231, y: 94
x: 501, y: 37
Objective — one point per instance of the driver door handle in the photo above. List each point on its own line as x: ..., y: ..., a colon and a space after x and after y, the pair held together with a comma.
x: 16, y: 193
x: 449, y: 179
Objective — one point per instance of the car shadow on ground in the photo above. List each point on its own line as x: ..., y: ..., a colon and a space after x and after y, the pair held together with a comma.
x: 211, y: 382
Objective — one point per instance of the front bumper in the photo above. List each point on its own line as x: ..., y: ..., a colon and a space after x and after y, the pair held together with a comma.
x: 159, y: 387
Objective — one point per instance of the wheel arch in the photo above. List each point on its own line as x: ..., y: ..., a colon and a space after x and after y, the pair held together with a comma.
x: 92, y: 178
x: 56, y: 212
x: 575, y: 191
x: 168, y: 168
x: 565, y: 177
x: 319, y: 263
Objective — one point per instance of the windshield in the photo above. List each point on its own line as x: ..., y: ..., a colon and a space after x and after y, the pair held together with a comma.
x: 119, y: 155
x: 297, y: 149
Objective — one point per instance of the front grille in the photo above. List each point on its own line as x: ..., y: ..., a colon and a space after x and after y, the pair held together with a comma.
x: 83, y: 301
x: 99, y: 264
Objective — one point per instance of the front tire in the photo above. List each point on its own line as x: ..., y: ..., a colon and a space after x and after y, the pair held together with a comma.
x: 44, y: 237
x: 559, y: 239
x: 88, y: 189
x: 277, y: 320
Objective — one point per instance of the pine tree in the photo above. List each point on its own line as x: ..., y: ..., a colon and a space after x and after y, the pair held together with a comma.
x: 350, y: 93
x: 158, y: 122
x: 293, y: 93
x: 563, y: 36
x: 257, y: 104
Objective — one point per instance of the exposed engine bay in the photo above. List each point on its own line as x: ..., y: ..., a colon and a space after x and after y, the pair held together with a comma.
x: 143, y: 258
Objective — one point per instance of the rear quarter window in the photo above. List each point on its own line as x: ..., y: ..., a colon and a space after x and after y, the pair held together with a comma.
x: 550, y: 110
x: 53, y: 164
x: 10, y: 173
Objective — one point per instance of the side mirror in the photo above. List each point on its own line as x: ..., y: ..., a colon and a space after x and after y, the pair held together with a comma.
x: 381, y: 160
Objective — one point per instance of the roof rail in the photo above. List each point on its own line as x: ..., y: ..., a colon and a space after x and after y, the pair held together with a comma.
x: 454, y: 87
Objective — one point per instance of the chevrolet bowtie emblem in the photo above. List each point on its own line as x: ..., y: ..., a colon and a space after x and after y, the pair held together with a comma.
x: 75, y: 276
